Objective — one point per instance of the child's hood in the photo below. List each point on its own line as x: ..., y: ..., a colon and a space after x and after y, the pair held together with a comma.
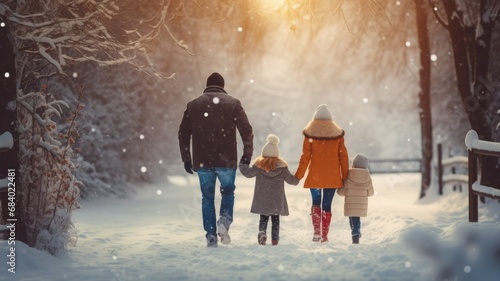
x: 358, y: 175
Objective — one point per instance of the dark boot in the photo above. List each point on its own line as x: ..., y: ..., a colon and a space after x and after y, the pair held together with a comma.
x: 275, y: 242
x: 325, y: 225
x: 355, y: 239
x: 316, y: 220
x: 261, y: 238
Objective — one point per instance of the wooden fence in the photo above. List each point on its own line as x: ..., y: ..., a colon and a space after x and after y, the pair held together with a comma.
x: 476, y: 148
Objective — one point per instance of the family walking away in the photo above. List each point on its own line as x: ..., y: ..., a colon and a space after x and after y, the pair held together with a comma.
x: 269, y: 199
x: 209, y: 126
x: 325, y: 156
x: 210, y: 121
x: 356, y: 190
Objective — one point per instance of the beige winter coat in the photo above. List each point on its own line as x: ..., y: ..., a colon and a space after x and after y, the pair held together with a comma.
x: 356, y: 191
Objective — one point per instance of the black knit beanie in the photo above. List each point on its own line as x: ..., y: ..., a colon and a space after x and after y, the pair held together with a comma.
x: 215, y: 79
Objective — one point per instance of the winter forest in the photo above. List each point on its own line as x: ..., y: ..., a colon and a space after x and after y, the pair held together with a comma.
x: 92, y: 93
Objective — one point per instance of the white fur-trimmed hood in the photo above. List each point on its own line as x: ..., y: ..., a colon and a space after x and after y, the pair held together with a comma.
x: 323, y: 129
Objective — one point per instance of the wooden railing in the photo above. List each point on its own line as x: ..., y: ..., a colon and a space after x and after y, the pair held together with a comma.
x: 477, y: 148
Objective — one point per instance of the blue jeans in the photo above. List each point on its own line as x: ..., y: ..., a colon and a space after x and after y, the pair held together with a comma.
x: 355, y: 223
x: 208, y: 178
x: 328, y: 193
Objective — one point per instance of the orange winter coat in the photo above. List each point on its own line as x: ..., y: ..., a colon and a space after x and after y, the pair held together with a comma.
x: 324, y: 154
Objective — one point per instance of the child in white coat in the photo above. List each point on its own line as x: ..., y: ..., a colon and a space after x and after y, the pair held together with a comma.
x: 356, y: 190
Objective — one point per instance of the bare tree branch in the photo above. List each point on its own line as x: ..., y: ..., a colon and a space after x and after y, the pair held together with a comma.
x: 438, y: 16
x: 495, y: 10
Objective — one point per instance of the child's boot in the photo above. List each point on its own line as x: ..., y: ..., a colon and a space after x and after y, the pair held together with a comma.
x: 355, y: 238
x: 316, y: 220
x: 261, y: 238
x: 325, y: 227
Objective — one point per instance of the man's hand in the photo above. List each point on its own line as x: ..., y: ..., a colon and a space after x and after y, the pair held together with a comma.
x: 188, y: 166
x: 245, y: 160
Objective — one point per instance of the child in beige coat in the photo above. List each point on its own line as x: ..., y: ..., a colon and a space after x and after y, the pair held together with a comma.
x: 356, y: 190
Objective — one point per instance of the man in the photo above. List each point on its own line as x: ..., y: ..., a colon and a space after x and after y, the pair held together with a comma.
x: 211, y: 121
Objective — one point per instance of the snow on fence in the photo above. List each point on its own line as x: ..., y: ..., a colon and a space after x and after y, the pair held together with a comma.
x: 476, y: 148
x: 453, y: 165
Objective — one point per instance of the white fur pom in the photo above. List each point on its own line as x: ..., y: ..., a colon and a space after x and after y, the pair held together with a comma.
x: 273, y: 139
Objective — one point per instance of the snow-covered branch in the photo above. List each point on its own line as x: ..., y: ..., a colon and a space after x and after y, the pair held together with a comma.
x: 98, y: 31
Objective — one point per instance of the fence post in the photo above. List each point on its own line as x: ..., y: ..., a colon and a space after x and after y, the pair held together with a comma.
x: 473, y: 204
x: 440, y: 168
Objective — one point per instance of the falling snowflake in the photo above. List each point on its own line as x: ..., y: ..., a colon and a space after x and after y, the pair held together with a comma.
x: 408, y: 44
x: 143, y: 169
x: 434, y: 57
x: 160, y: 162
x: 141, y: 137
x: 365, y: 100
x: 216, y: 100
x: 75, y: 74
x: 2, y: 24
x: 240, y: 29
x: 205, y: 114
x: 467, y: 269
x: 407, y: 264
x: 158, y: 192
x: 7, y: 75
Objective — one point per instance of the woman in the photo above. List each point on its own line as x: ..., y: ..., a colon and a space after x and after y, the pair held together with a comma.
x: 324, y: 154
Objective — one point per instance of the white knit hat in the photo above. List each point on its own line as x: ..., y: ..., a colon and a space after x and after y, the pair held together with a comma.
x: 271, y: 149
x: 360, y: 161
x: 322, y: 113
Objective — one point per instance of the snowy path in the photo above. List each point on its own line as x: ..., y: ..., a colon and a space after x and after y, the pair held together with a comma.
x: 159, y: 237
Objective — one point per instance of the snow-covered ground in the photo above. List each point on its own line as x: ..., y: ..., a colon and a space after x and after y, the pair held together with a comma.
x: 158, y: 235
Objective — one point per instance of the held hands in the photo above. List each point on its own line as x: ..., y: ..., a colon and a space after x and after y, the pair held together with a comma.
x: 188, y: 166
x: 245, y: 160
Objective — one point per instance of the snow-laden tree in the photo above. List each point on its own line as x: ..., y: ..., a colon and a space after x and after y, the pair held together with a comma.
x: 49, y: 36
x: 471, y: 26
